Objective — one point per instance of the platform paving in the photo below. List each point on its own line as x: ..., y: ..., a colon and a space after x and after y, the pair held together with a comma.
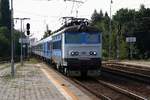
x: 31, y: 83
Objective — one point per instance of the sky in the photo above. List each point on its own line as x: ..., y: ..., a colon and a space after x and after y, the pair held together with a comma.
x: 49, y: 12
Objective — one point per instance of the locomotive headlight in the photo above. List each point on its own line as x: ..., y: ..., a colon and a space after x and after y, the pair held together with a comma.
x: 74, y: 53
x: 94, y: 53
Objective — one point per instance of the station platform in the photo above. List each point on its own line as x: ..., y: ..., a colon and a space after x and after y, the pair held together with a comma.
x: 37, y: 82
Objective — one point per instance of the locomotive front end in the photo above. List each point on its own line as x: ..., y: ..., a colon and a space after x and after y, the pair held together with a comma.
x: 82, y: 52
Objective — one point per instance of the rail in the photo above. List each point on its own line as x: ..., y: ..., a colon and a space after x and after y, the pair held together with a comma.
x: 107, y: 91
x: 140, y: 74
x: 8, y: 59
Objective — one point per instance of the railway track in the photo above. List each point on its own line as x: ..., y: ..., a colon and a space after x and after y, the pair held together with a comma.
x: 8, y: 59
x: 137, y: 68
x: 107, y: 91
x: 4, y: 60
x: 109, y: 88
x: 130, y: 71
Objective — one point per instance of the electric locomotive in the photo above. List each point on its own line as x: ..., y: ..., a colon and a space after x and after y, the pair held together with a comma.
x: 76, y: 48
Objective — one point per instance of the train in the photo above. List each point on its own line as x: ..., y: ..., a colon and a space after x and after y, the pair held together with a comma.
x: 75, y: 48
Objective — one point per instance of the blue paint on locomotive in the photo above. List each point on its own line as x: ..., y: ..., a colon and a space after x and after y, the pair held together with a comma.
x: 57, y: 53
x: 56, y: 47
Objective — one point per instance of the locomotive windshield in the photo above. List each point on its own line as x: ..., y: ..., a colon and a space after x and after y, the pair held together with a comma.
x: 82, y: 38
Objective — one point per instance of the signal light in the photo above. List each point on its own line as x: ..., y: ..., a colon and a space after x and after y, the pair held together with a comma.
x: 28, y: 28
x: 28, y: 32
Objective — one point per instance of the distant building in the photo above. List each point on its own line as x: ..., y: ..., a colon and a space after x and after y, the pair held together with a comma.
x: 32, y: 41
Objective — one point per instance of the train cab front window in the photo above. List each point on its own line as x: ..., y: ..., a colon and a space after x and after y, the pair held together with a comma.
x: 92, y: 38
x: 82, y: 38
x: 72, y: 38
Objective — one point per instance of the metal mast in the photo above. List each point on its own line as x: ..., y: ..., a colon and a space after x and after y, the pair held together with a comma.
x: 110, y: 31
x: 12, y: 41
x: 21, y: 21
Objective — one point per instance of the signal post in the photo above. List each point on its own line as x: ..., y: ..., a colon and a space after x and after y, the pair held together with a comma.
x: 28, y: 32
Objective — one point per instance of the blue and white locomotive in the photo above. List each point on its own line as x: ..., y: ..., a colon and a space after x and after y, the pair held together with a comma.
x: 76, y: 48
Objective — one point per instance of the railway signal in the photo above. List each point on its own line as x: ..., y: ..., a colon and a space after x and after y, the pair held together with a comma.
x: 28, y: 29
x: 21, y: 20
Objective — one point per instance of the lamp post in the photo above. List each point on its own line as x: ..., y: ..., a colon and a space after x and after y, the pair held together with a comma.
x: 12, y: 41
x: 110, y: 29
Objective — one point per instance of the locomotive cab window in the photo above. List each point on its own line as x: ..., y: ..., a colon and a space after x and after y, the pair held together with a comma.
x: 72, y: 38
x: 92, y: 38
x: 83, y: 37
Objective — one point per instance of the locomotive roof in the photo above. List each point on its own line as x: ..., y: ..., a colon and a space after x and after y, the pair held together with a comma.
x: 75, y: 25
x: 72, y: 24
x: 78, y: 28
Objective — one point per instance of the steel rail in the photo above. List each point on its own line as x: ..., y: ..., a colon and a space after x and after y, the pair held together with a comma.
x: 129, y: 74
x: 123, y: 91
x: 103, y: 97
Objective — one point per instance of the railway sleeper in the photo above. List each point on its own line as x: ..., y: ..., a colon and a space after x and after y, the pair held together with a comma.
x: 126, y: 92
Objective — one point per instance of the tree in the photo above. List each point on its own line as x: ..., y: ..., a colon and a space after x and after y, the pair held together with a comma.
x: 95, y: 17
x: 102, y: 23
x: 142, y: 32
x: 0, y: 15
x: 5, y: 14
x: 125, y: 23
x: 4, y: 42
x: 101, y: 14
x: 47, y: 33
x: 5, y: 26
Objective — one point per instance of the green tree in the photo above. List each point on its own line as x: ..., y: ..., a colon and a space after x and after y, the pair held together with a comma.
x: 94, y: 16
x: 125, y: 26
x: 17, y: 45
x: 125, y: 23
x: 142, y: 32
x: 101, y: 21
x: 47, y: 33
x: 5, y: 14
x: 4, y: 42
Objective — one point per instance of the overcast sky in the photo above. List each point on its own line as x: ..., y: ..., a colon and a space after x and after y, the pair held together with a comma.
x: 44, y: 12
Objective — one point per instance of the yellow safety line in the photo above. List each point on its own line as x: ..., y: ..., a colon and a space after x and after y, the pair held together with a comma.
x: 63, y: 89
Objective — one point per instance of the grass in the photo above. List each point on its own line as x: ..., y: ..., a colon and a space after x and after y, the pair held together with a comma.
x: 32, y: 61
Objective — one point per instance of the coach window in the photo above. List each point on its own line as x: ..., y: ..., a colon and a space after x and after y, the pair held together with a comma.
x: 48, y: 45
x: 57, y: 45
